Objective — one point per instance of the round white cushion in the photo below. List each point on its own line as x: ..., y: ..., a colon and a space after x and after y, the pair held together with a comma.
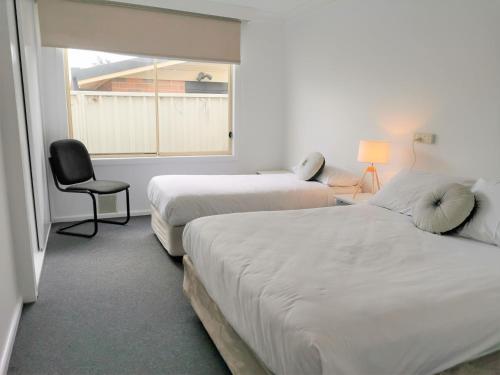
x: 310, y: 166
x: 444, y: 208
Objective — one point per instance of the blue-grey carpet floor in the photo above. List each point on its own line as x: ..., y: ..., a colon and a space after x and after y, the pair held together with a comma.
x: 112, y: 305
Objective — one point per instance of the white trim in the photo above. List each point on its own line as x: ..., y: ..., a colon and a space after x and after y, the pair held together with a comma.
x: 40, y: 258
x: 45, y: 242
x: 208, y: 7
x: 11, y: 337
x: 64, y: 219
x: 152, y: 160
x: 149, y: 94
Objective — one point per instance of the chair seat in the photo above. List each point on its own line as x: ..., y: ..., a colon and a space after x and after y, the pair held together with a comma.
x: 99, y: 186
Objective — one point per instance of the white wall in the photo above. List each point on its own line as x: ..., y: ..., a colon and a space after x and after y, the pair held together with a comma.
x: 383, y: 69
x: 15, y: 156
x: 10, y: 296
x: 17, y: 229
x: 258, y: 124
x: 29, y: 39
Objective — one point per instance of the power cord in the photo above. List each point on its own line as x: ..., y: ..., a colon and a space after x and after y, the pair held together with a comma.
x: 414, y: 151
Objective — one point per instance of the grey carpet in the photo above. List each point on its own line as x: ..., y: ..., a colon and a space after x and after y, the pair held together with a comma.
x: 112, y: 305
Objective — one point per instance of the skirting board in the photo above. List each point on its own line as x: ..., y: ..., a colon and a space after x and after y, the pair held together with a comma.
x: 11, y: 337
x: 67, y: 219
x: 44, y: 245
x: 40, y: 257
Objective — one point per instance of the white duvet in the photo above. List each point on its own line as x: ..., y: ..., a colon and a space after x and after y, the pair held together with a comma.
x: 182, y: 198
x: 352, y: 290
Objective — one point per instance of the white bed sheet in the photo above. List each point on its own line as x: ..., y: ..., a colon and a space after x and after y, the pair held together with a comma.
x: 349, y: 290
x: 182, y: 198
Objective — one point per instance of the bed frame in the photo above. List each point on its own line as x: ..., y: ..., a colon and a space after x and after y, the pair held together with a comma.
x: 241, y: 359
x: 238, y: 356
x: 169, y: 236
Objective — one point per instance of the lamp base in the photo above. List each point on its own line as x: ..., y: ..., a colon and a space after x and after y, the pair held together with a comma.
x: 375, y: 180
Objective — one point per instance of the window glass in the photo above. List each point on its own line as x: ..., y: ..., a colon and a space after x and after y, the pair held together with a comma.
x: 132, y: 105
x: 194, y: 120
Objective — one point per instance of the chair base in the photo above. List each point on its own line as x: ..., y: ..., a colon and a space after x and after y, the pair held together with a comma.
x: 95, y: 220
x: 96, y: 229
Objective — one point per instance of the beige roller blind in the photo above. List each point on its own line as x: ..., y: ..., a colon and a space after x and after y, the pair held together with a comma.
x: 113, y: 27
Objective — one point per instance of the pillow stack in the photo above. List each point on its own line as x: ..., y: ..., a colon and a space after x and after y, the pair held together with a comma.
x: 313, y: 168
x: 484, y: 226
x: 337, y: 177
x: 407, y: 187
x: 440, y: 204
x: 310, y: 166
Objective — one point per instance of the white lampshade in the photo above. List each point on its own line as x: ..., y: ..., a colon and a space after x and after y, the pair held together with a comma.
x: 373, y: 152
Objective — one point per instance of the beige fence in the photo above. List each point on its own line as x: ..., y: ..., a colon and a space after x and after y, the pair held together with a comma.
x: 119, y: 122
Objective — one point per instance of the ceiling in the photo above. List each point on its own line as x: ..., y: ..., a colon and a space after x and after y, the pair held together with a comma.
x: 241, y: 9
x: 276, y: 7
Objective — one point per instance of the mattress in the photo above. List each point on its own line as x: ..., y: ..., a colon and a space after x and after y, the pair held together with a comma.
x: 170, y: 237
x: 241, y: 359
x: 349, y: 290
x: 182, y: 198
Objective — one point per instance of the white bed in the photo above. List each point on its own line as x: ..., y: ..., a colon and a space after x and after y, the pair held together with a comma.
x: 348, y: 290
x: 178, y: 199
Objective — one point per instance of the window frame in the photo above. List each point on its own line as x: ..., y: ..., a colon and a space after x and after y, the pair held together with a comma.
x: 158, y: 154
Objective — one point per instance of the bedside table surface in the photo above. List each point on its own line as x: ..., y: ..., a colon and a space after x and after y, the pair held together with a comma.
x: 348, y: 199
x: 277, y: 171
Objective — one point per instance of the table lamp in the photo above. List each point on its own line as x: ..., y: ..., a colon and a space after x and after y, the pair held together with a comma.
x: 372, y: 152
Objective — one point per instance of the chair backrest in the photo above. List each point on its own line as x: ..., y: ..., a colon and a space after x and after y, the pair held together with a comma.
x: 70, y: 161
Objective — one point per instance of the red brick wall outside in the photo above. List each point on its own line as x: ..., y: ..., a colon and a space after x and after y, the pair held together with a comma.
x: 143, y: 85
x: 106, y: 86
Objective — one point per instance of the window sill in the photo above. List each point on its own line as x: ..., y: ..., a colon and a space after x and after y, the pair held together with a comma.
x: 151, y: 160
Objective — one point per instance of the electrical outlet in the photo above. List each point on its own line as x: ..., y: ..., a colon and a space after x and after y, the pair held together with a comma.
x: 427, y: 138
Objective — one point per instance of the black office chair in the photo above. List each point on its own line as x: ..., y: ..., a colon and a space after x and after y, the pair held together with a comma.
x: 71, y: 165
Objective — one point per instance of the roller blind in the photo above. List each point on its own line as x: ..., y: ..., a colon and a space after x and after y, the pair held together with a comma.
x: 123, y: 28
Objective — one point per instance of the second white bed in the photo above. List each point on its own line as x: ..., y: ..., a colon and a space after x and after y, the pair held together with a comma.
x: 178, y: 199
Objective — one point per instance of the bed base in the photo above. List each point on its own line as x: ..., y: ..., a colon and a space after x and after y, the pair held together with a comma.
x: 169, y: 236
x: 241, y: 360
x: 238, y: 356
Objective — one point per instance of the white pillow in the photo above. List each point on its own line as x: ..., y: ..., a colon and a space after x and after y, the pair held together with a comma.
x: 485, y: 224
x: 333, y: 176
x: 310, y: 166
x: 404, y: 190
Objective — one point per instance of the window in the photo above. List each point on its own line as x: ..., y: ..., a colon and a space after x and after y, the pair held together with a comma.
x: 129, y: 105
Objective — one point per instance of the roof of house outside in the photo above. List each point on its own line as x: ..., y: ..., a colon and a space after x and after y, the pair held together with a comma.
x: 93, y: 77
x: 79, y: 74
